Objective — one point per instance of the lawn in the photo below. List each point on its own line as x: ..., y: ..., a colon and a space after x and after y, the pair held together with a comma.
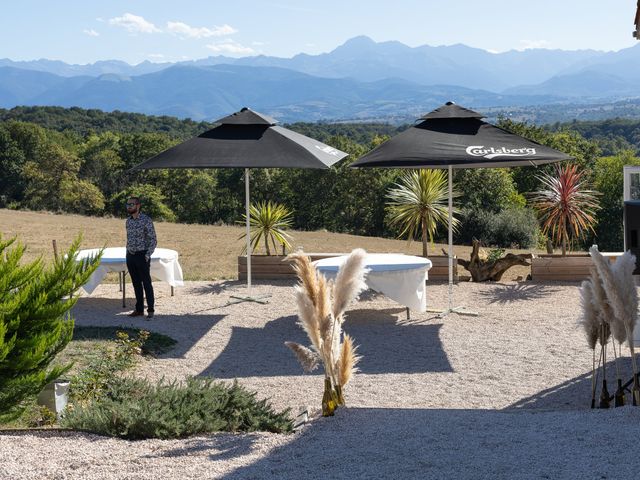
x: 207, y: 252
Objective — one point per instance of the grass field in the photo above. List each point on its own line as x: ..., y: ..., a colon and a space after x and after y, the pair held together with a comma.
x: 206, y: 252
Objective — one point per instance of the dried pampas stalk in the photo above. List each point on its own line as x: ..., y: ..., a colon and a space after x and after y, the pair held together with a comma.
x: 307, y: 318
x: 615, y: 324
x: 589, y: 320
x: 605, y: 312
x: 622, y: 298
x: 307, y: 357
x: 349, y: 282
x: 321, y: 315
x: 591, y: 325
x: 323, y: 308
x: 306, y: 273
x: 348, y: 361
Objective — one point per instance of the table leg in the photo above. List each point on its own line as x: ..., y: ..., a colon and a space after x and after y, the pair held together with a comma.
x: 124, y: 285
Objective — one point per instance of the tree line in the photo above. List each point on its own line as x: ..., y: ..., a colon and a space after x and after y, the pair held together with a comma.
x: 79, y: 161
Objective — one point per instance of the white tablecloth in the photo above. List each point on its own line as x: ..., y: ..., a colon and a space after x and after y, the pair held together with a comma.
x: 164, y: 265
x: 399, y: 277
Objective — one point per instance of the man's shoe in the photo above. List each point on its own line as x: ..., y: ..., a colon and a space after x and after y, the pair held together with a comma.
x: 149, y: 315
x: 136, y: 313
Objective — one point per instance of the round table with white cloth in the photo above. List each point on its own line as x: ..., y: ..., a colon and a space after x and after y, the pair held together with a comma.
x: 400, y: 277
x: 164, y: 265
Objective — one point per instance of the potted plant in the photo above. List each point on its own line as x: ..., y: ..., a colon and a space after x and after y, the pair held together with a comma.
x: 417, y: 205
x: 268, y: 224
x: 567, y: 210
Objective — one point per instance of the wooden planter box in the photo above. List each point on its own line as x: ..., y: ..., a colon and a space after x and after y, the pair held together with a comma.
x: 571, y: 267
x: 440, y: 268
x: 274, y: 267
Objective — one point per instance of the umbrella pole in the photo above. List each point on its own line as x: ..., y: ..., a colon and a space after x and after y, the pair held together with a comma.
x: 249, y: 297
x: 450, y: 238
x: 452, y: 309
x: 248, y: 224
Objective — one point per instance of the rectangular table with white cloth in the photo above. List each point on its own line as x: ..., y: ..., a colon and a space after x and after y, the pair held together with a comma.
x: 400, y: 277
x: 164, y: 267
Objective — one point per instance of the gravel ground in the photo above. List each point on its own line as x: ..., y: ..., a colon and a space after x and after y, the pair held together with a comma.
x: 501, y: 395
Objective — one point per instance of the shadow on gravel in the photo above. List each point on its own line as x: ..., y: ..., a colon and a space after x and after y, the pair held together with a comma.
x: 480, y: 444
x: 109, y: 312
x: 387, y: 342
x: 576, y: 393
x: 218, y: 448
x: 504, y: 294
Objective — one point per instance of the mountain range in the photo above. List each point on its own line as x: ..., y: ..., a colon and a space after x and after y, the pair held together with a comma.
x: 359, y: 80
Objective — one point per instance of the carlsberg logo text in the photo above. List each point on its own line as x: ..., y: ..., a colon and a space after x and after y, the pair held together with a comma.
x: 492, y: 152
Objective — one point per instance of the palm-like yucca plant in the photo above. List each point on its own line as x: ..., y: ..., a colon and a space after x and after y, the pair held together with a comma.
x: 418, y: 205
x: 268, y: 223
x: 565, y: 206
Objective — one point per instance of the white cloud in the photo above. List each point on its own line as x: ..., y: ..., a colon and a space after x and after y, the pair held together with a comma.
x: 156, y: 56
x: 187, y: 31
x: 258, y: 44
x: 230, y: 47
x: 529, y: 44
x: 134, y: 24
x: 91, y: 32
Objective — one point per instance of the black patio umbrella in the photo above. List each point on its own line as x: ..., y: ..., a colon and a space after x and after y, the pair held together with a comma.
x: 455, y: 137
x: 246, y: 139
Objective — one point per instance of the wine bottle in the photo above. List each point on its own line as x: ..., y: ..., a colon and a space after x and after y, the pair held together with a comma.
x: 604, y: 395
x: 619, y: 395
x: 328, y: 402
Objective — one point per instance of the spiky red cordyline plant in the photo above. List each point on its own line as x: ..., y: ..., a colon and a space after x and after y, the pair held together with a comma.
x: 565, y: 206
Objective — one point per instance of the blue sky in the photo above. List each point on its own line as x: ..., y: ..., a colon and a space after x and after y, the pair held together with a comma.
x: 137, y: 30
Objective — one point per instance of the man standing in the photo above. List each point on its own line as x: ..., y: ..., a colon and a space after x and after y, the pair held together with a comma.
x: 141, y: 242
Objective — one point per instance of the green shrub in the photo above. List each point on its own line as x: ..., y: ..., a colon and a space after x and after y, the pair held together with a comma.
x: 35, y: 324
x: 138, y: 409
x: 105, y: 366
x: 509, y: 228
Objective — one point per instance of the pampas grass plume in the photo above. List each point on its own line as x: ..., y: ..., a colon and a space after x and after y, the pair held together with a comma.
x: 589, y: 320
x: 348, y: 361
x: 605, y: 312
x: 307, y: 357
x: 621, y: 298
x: 349, y: 282
x: 306, y: 273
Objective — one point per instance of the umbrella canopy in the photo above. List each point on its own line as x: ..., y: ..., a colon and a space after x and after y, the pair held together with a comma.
x: 455, y: 136
x: 246, y: 139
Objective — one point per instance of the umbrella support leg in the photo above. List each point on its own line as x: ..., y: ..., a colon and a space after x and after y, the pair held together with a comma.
x: 459, y: 311
x: 256, y: 298
x: 123, y: 284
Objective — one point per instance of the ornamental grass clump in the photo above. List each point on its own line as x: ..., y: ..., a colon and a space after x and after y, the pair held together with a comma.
x: 321, y: 305
x: 610, y: 308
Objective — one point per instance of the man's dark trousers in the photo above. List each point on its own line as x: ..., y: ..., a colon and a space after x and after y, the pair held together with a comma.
x: 139, y: 269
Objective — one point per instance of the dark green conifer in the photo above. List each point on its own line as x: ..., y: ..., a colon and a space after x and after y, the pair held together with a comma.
x: 35, y: 324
